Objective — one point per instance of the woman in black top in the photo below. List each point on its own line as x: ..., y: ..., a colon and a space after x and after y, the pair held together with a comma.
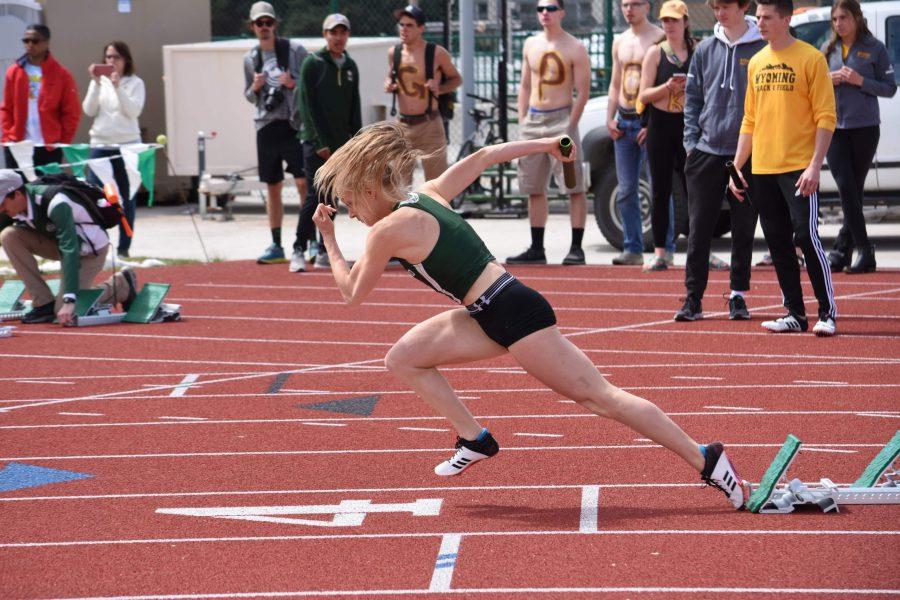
x: 861, y: 71
x: 663, y: 78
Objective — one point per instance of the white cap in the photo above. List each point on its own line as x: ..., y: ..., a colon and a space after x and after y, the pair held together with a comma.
x: 10, y: 181
x: 262, y: 9
x: 334, y: 20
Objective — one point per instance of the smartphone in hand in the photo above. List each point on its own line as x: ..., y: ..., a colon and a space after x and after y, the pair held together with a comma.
x: 98, y: 70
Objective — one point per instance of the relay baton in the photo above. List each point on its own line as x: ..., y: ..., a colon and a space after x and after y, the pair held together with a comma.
x: 112, y: 197
x: 735, y: 176
x: 565, y: 148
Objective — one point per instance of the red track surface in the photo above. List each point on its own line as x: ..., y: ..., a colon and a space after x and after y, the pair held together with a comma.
x: 573, y: 506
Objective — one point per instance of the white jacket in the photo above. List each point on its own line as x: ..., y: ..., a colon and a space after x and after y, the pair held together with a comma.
x: 115, y: 110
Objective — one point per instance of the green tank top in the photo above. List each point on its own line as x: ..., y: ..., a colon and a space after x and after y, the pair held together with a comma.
x: 458, y: 257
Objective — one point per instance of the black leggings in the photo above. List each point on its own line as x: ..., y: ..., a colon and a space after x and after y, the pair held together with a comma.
x: 849, y: 158
x: 665, y: 154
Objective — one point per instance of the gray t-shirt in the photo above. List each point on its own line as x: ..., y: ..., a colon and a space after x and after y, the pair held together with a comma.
x: 284, y: 110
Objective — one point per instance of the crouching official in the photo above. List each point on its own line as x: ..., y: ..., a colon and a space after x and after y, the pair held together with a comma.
x: 52, y: 223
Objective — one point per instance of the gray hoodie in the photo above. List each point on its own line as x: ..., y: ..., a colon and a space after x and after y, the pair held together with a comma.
x: 716, y: 86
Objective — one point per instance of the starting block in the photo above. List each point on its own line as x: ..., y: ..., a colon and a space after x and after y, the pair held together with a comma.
x: 12, y: 306
x: 878, y: 484
x: 148, y: 307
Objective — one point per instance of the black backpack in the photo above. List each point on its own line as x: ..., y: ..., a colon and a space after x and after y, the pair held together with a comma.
x: 282, y: 55
x: 90, y: 197
x: 446, y: 102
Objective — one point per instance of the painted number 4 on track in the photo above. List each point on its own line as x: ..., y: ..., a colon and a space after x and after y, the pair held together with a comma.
x: 349, y: 513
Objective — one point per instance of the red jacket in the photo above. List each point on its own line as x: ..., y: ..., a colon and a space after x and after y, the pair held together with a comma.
x: 58, y: 104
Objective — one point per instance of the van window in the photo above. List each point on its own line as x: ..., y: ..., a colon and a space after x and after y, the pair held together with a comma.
x: 816, y: 33
x: 893, y: 45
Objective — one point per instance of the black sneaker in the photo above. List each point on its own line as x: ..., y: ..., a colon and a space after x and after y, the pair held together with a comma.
x: 574, y: 257
x: 691, y: 311
x: 737, y: 309
x: 41, y: 314
x: 467, y: 453
x: 131, y: 280
x: 532, y: 256
x: 719, y: 473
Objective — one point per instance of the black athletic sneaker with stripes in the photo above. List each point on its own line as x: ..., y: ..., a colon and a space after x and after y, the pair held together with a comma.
x: 719, y: 473
x: 468, y: 452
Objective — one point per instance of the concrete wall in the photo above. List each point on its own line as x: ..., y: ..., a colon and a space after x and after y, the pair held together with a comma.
x: 80, y: 28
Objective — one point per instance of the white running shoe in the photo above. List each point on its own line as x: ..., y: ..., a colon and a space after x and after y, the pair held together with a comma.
x: 825, y: 328
x: 298, y: 262
x: 786, y: 324
x: 467, y: 453
x: 720, y: 474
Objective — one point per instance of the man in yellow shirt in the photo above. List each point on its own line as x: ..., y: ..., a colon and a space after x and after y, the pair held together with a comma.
x: 789, y: 118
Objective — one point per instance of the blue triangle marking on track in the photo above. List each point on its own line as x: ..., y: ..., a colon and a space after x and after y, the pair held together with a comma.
x: 18, y: 476
x: 354, y: 406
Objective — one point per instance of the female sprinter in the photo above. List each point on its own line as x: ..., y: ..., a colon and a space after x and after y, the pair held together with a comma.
x: 370, y: 174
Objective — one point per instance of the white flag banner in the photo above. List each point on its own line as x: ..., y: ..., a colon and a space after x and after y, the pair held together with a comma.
x: 102, y: 168
x: 130, y: 158
x: 23, y: 152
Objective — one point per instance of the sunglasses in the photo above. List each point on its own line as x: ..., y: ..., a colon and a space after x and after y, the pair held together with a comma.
x: 550, y: 8
x: 32, y: 40
x: 264, y: 22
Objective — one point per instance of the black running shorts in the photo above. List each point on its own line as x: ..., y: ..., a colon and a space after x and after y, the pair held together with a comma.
x: 277, y: 143
x: 509, y: 311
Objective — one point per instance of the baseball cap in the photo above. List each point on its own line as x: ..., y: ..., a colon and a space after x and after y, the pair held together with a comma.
x: 10, y: 181
x: 412, y: 11
x: 262, y: 9
x: 673, y: 9
x: 334, y: 20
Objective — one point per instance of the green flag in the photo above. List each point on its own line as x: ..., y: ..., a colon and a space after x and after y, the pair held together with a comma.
x: 76, y: 155
x: 147, y: 169
x: 49, y: 169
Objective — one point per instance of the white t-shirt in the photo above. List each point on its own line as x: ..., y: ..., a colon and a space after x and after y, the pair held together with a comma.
x: 33, y: 124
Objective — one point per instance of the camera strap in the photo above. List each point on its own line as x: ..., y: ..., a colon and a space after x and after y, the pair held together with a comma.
x: 282, y: 55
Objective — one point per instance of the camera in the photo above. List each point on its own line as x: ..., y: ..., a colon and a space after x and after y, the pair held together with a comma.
x: 273, y: 98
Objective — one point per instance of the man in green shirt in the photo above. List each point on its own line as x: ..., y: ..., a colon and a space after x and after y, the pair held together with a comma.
x: 330, y: 106
x: 35, y: 223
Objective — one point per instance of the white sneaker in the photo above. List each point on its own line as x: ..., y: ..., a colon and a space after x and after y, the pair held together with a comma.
x: 322, y: 261
x: 720, y: 474
x: 298, y: 262
x: 467, y: 453
x: 786, y: 324
x: 825, y: 328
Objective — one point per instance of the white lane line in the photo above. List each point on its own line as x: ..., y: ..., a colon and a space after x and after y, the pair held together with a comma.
x: 812, y: 382
x: 77, y: 414
x: 643, y: 440
x: 323, y: 424
x: 182, y: 387
x: 831, y: 450
x: 43, y: 382
x: 423, y: 429
x: 750, y: 408
x: 582, y: 415
x: 185, y: 418
x: 445, y: 563
x: 696, y: 377
x: 590, y: 500
x: 567, y: 402
x: 387, y: 451
x: 541, y: 435
x: 358, y: 536
x: 470, y: 397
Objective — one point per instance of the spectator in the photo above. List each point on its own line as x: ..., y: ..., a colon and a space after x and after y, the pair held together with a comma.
x: 554, y: 65
x: 56, y: 226
x: 624, y: 122
x: 330, y: 105
x: 420, y: 115
x: 861, y: 70
x: 40, y: 101
x: 115, y: 101
x: 789, y: 117
x: 663, y: 77
x: 713, y: 109
x: 271, y: 72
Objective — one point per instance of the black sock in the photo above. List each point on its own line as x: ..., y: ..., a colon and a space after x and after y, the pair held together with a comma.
x: 276, y: 236
x: 537, y: 238
x: 577, y: 236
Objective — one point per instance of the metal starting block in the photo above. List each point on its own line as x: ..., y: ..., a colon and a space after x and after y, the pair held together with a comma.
x: 12, y: 306
x: 148, y: 307
x: 878, y: 484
